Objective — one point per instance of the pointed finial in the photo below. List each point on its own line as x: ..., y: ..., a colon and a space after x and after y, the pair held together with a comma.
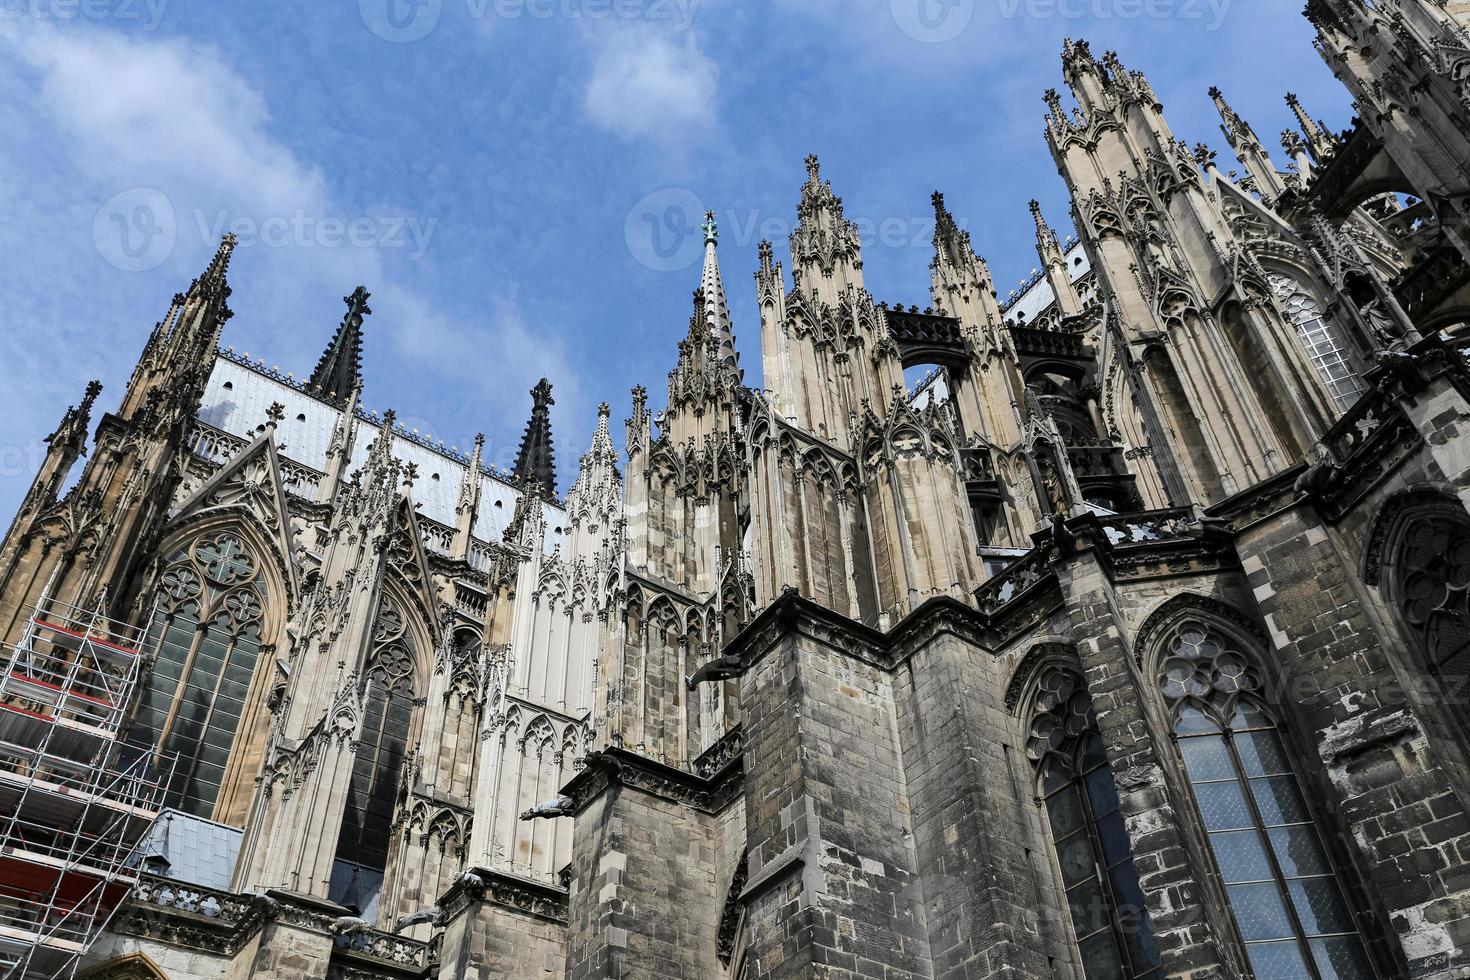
x: 711, y: 230
x: 274, y: 415
x: 339, y: 371
x: 94, y: 388
x: 813, y: 168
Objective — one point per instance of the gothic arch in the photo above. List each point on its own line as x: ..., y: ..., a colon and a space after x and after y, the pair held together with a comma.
x: 214, y: 637
x: 1020, y: 689
x: 1419, y: 558
x: 133, y: 966
x: 279, y: 577
x: 1186, y: 604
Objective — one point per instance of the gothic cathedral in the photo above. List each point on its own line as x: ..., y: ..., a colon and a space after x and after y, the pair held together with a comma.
x: 1133, y: 641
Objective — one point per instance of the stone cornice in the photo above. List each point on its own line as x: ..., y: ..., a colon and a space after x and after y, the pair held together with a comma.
x: 521, y: 895
x: 620, y: 767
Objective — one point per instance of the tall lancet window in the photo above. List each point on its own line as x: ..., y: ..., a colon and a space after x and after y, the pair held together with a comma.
x: 1093, y: 854
x: 1322, y: 341
x: 206, y: 630
x: 1284, y: 892
x: 367, y: 820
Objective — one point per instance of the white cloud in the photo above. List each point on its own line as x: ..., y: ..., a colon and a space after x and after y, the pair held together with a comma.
x: 647, y: 83
x: 103, y: 115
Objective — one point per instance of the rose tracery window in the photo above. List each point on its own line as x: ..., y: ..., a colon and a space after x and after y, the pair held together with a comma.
x: 206, y: 631
x: 1284, y: 893
x: 1092, y: 849
x: 1433, y: 592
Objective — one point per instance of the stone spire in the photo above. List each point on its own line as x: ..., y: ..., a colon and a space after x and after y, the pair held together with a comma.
x: 1320, y: 140
x: 340, y: 369
x: 1248, y: 148
x: 180, y: 353
x: 826, y: 250
x: 960, y: 282
x: 1054, y: 262
x: 716, y: 311
x: 535, y: 463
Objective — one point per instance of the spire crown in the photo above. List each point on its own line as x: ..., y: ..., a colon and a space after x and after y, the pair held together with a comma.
x: 536, y: 463
x: 339, y: 372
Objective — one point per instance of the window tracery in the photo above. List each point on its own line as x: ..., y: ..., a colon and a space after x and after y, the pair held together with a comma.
x: 1091, y: 845
x: 1284, y: 893
x: 206, y: 630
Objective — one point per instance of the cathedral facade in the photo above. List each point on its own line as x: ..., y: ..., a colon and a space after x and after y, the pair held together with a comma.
x: 1132, y: 642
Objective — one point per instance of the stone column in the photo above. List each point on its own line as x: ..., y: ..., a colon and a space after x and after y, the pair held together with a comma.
x: 971, y: 834
x: 500, y: 927
x: 647, y: 885
x: 833, y: 888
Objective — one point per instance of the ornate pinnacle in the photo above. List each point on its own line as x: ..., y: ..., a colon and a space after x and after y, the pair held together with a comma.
x: 813, y: 168
x: 274, y: 414
x: 1204, y: 156
x: 711, y: 230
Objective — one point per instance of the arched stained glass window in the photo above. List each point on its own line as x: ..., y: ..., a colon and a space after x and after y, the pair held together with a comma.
x: 206, y: 634
x: 1432, y: 587
x: 1284, y: 892
x: 1092, y: 849
x: 1322, y: 342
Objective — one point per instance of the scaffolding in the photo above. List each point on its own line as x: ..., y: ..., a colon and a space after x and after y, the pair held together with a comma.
x: 75, y: 799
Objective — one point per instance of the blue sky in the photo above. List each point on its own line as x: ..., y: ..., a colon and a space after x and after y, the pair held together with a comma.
x: 485, y: 167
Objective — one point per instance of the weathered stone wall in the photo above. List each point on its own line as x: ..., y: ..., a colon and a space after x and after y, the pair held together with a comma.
x: 647, y: 890
x: 488, y: 941
x: 834, y: 887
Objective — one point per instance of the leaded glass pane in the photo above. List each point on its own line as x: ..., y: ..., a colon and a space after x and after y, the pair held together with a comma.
x: 1259, y: 911
x: 1193, y: 721
x: 1102, y: 792
x: 1277, y: 961
x: 1075, y: 854
x: 1261, y: 753
x: 1279, y: 800
x: 1207, y: 758
x: 1089, y: 907
x: 1065, y: 809
x: 1241, y: 856
x: 1100, y: 960
x: 1223, y: 806
x: 1113, y: 837
x: 1341, y: 958
x: 1319, y: 906
x: 1298, y: 851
